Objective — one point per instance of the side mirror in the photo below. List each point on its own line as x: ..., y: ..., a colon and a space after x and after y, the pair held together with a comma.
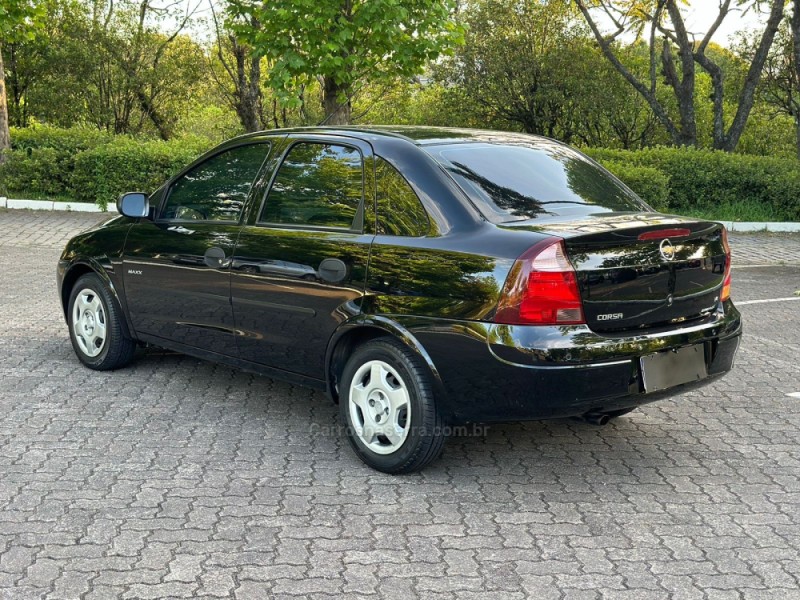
x: 134, y: 205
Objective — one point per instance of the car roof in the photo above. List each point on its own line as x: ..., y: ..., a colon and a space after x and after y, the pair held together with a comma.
x: 419, y: 135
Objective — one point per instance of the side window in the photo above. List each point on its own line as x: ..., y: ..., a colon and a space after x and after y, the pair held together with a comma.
x: 216, y: 189
x: 400, y: 211
x: 317, y: 184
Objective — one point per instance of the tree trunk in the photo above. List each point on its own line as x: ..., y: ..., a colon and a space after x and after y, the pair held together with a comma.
x: 684, y: 87
x: 748, y: 96
x: 795, y: 25
x: 248, y: 103
x: 146, y: 105
x: 5, y: 135
x: 336, y: 112
x: 797, y: 135
x: 649, y: 94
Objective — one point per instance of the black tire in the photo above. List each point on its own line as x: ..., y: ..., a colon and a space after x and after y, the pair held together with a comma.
x: 426, y: 434
x: 116, y: 349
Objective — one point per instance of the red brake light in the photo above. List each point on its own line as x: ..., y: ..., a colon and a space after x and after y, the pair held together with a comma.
x: 660, y: 234
x: 726, y: 284
x: 541, y: 289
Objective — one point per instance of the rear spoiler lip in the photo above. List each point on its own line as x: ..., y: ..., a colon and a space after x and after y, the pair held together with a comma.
x: 613, y: 223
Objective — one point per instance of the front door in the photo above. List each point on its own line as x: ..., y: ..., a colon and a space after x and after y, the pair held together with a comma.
x: 300, y: 264
x: 176, y: 267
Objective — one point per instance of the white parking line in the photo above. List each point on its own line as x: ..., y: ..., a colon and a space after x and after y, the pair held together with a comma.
x: 793, y: 394
x: 763, y: 265
x: 746, y: 302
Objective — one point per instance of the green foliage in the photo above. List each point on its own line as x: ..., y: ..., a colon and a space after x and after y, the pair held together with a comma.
x: 89, y: 166
x: 103, y: 65
x: 42, y: 159
x: 209, y: 121
x: 66, y: 141
x: 105, y: 172
x: 715, y: 182
x: 650, y: 184
x: 532, y: 66
x: 414, y: 103
x: 18, y: 18
x: 344, y: 41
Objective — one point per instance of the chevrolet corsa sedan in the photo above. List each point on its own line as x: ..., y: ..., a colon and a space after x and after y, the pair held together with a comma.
x: 424, y: 278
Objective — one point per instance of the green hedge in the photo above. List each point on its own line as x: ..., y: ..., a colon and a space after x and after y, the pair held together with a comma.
x: 650, y: 184
x: 714, y: 182
x: 89, y: 166
x: 43, y: 159
x: 105, y: 172
x: 65, y: 141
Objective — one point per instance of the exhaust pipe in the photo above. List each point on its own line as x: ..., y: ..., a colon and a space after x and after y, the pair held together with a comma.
x: 596, y: 418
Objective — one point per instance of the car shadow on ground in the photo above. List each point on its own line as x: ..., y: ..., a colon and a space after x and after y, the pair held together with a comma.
x: 178, y: 391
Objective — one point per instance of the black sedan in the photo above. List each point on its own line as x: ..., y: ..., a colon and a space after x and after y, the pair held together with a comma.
x: 425, y: 278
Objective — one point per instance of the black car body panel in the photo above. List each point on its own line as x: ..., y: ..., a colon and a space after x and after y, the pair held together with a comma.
x: 291, y: 301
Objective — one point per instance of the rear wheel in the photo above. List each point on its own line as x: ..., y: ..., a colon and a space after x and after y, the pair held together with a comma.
x: 388, y: 406
x: 95, y: 326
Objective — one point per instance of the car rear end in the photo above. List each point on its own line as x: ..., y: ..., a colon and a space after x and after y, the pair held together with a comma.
x: 605, y: 321
x: 616, y: 306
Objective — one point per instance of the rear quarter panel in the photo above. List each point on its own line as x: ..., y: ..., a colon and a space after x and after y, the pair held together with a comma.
x: 456, y: 276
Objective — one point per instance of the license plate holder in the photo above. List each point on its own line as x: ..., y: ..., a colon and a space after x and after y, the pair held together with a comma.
x: 663, y: 370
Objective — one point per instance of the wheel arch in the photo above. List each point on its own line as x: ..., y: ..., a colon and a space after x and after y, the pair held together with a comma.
x: 83, y: 267
x: 357, y: 331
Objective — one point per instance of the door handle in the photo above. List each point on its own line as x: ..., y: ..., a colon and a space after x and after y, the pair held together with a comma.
x: 215, y: 258
x: 332, y: 270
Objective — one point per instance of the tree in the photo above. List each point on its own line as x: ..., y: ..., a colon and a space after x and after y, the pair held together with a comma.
x: 142, y: 53
x: 679, y: 52
x: 343, y: 43
x: 534, y: 66
x: 520, y: 64
x: 124, y: 66
x: 781, y: 85
x: 241, y: 79
x: 17, y: 20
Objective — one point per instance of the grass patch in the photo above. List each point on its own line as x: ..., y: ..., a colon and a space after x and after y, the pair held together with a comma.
x: 737, y: 211
x: 33, y: 195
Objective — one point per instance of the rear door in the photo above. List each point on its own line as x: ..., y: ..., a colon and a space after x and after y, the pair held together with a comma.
x: 177, y: 266
x: 300, y: 263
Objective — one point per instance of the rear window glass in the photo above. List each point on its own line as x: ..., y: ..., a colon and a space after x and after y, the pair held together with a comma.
x: 521, y: 182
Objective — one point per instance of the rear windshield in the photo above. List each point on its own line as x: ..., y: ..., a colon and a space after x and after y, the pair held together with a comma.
x: 521, y: 182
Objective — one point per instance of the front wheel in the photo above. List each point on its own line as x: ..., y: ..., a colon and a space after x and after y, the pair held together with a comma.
x: 388, y: 406
x: 95, y: 326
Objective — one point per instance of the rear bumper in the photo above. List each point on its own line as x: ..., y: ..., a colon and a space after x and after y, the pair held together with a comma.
x: 511, y: 373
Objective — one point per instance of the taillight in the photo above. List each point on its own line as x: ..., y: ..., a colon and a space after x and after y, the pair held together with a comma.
x: 541, y: 289
x: 726, y: 283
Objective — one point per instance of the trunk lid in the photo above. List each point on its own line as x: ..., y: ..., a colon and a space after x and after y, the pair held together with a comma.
x: 643, y: 270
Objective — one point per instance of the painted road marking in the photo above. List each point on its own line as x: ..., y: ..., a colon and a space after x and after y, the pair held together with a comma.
x: 768, y: 301
x: 792, y: 265
x: 793, y: 394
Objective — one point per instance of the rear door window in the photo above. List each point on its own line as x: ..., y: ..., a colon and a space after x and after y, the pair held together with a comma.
x: 318, y: 185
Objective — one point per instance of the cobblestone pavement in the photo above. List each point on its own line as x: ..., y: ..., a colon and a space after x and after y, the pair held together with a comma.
x: 180, y: 478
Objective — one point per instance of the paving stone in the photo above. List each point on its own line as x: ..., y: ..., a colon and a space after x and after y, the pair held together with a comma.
x: 178, y: 478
